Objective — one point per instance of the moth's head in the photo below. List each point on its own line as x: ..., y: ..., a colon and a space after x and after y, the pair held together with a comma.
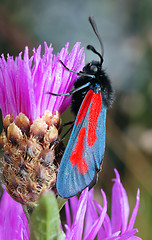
x: 93, y: 67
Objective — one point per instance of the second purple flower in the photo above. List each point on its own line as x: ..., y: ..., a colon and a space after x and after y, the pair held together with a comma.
x: 90, y: 219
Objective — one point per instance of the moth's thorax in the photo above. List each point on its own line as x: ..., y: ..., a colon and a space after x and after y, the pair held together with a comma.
x: 100, y: 82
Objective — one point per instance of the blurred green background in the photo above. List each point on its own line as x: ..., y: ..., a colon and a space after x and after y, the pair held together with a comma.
x: 126, y: 30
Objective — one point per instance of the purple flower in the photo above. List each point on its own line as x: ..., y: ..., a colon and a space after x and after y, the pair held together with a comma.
x: 13, y: 222
x: 25, y: 82
x: 31, y: 117
x: 90, y: 219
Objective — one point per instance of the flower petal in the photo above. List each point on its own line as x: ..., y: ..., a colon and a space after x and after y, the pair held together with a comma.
x: 98, y: 223
x: 91, y: 213
x: 75, y: 232
x: 74, y: 62
x: 129, y: 235
x: 13, y: 222
x: 67, y: 212
x: 135, y: 211
x: 106, y: 229
x: 74, y: 203
x: 120, y: 206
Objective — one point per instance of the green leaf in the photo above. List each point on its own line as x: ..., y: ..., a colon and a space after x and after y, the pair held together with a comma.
x: 45, y: 220
x: 61, y: 202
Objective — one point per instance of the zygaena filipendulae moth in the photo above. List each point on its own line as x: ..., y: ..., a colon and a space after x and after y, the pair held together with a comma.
x: 91, y: 97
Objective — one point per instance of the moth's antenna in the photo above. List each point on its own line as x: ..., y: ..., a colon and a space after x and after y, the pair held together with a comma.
x: 94, y: 26
x: 90, y: 47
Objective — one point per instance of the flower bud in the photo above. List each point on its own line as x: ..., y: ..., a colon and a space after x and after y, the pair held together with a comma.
x: 31, y: 155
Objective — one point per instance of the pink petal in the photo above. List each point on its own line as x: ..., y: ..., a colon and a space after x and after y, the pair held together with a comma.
x: 135, y: 211
x: 76, y: 230
x: 74, y: 203
x: 91, y: 213
x: 106, y: 228
x: 68, y: 216
x: 128, y: 235
x: 13, y: 222
x: 97, y: 225
x: 120, y: 206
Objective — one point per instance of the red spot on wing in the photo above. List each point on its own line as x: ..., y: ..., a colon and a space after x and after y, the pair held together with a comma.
x: 77, y: 153
x: 84, y: 107
x: 94, y: 113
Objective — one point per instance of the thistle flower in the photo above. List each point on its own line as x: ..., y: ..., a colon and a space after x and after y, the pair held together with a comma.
x: 25, y: 82
x: 32, y: 118
x: 90, y: 219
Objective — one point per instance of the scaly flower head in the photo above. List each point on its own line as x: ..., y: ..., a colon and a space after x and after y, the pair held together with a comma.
x: 91, y: 220
x: 32, y: 118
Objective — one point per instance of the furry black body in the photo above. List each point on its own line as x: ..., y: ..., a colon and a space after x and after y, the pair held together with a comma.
x: 100, y: 78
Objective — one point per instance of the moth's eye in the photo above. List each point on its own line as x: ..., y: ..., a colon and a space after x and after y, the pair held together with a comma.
x: 93, y: 68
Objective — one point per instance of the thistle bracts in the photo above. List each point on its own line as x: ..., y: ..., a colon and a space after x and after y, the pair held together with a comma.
x: 31, y: 155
